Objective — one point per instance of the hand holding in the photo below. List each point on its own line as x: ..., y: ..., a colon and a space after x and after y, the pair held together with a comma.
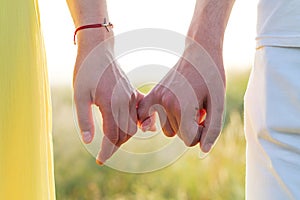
x: 185, y: 90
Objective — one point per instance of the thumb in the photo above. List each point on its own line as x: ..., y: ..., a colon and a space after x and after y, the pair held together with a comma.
x: 146, y: 115
x: 212, y: 125
x: 84, y: 115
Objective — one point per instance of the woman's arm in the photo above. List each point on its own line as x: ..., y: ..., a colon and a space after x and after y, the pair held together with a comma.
x: 89, y: 12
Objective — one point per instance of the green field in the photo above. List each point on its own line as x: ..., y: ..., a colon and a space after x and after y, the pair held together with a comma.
x: 220, y: 176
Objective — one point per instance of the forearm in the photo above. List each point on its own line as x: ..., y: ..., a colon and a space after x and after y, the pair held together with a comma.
x: 86, y: 12
x: 208, y: 26
x: 89, y: 12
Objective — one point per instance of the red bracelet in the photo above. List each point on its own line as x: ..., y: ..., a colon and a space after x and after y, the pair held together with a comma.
x: 104, y: 24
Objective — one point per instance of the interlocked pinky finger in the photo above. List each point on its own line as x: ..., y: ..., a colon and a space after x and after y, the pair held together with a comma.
x: 166, y: 125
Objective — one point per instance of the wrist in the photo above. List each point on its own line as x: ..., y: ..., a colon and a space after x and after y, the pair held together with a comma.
x: 89, y: 39
x: 195, y: 49
x: 93, y: 33
x: 90, y: 19
x: 206, y: 34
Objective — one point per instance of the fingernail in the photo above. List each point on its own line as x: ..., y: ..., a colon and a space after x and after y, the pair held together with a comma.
x: 99, y: 162
x: 207, y: 147
x: 87, y: 136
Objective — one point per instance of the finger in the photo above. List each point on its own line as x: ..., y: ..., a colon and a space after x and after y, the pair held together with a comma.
x: 133, y: 121
x: 173, y: 123
x: 168, y: 130
x: 174, y: 116
x: 144, y: 109
x: 111, y: 136
x: 123, y: 123
x: 176, y: 113
x: 212, y: 125
x: 149, y: 123
x: 165, y: 123
x: 189, y: 128
x: 107, y: 150
x: 84, y: 115
x: 201, y: 116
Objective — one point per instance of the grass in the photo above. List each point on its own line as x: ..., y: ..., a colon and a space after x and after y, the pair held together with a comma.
x: 218, y: 176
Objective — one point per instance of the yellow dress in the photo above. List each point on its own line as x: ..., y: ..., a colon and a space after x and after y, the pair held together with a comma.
x: 26, y: 161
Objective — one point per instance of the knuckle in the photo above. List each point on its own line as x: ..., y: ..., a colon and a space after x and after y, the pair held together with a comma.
x: 113, y: 138
x: 156, y: 91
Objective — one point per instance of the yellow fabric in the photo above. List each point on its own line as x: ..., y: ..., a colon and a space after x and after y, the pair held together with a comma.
x: 26, y: 163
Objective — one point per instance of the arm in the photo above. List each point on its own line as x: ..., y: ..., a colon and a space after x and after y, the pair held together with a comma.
x: 88, y: 12
x: 208, y: 27
x: 196, y: 81
x: 99, y: 80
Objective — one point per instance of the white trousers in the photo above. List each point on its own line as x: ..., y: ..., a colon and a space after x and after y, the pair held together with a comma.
x: 272, y: 125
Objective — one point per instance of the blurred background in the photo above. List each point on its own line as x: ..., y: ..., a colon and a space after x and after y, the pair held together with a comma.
x: 221, y: 175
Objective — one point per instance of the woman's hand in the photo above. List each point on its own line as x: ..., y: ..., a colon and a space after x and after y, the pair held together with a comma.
x: 99, y: 80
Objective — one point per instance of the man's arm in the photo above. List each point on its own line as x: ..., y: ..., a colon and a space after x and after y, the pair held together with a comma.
x: 196, y: 82
x: 208, y: 27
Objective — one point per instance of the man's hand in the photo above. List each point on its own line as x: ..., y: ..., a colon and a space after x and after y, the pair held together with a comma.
x: 186, y: 89
x: 196, y: 82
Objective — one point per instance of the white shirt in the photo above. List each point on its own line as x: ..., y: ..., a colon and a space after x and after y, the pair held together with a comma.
x: 278, y: 23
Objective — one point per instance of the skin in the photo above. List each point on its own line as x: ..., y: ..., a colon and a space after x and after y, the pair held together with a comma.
x: 99, y: 80
x: 92, y: 78
x: 207, y: 29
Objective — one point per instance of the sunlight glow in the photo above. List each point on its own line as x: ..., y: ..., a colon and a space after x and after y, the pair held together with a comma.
x: 58, y: 28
